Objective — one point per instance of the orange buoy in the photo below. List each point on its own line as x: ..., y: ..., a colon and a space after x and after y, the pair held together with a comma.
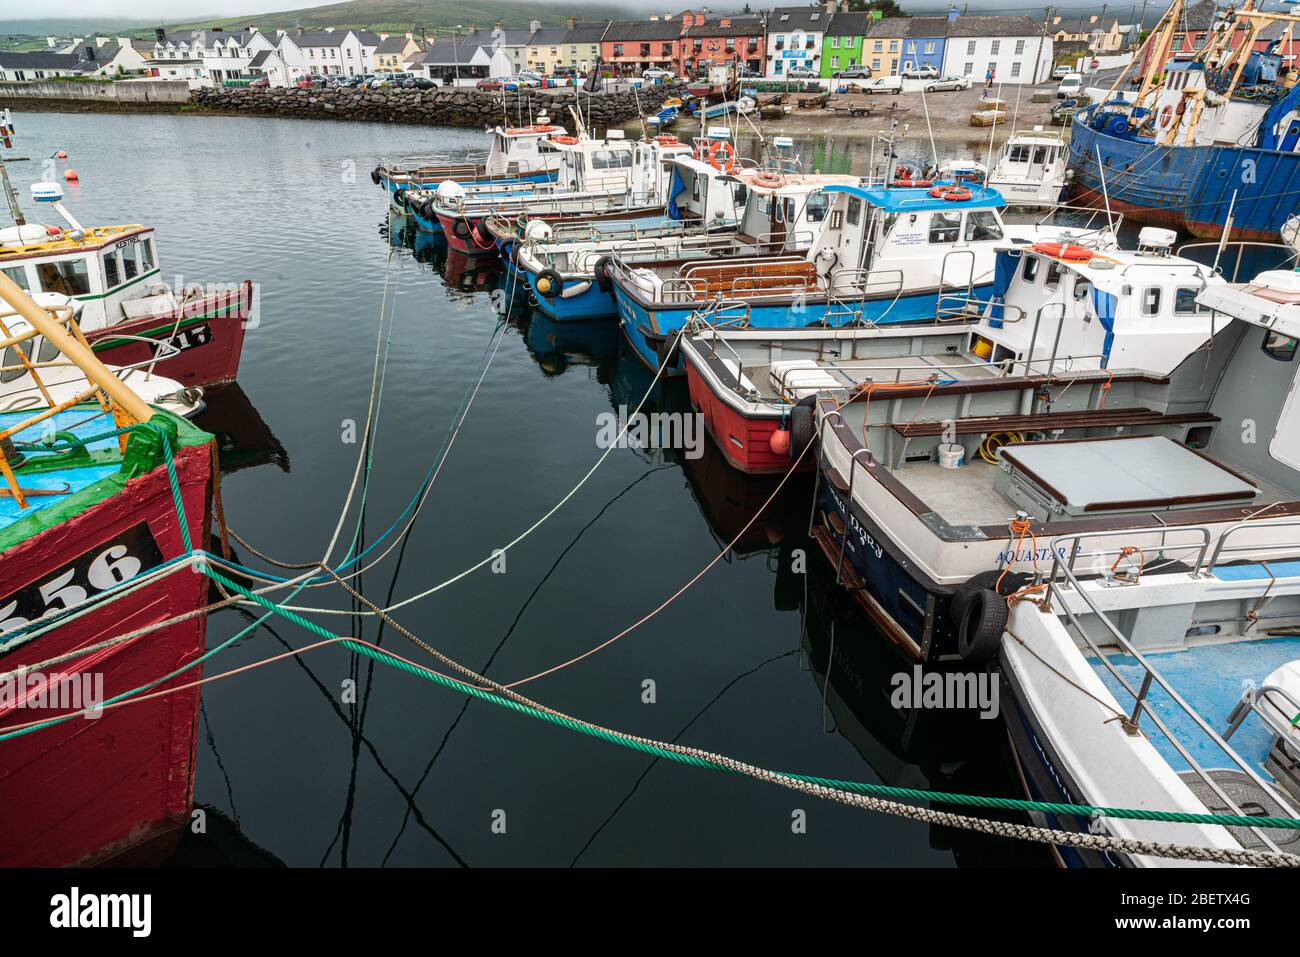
x: 71, y: 175
x: 54, y: 230
x: 779, y: 443
x: 62, y: 154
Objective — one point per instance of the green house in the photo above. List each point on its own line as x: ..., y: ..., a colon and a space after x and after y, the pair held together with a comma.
x: 842, y: 42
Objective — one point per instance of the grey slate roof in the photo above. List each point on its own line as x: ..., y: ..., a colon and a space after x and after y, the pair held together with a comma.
x: 319, y: 38
x: 926, y: 28
x: 994, y: 27
x: 390, y: 45
x: 641, y: 31
x: 548, y: 36
x: 813, y: 19
x: 38, y: 60
x: 852, y: 24
x: 368, y: 38
x: 260, y: 57
x: 586, y: 32
x: 889, y: 27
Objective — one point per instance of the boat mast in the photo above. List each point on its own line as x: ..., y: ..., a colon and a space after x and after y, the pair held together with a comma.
x: 11, y: 196
x: 1162, y: 49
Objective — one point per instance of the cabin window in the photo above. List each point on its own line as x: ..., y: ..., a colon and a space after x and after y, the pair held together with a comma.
x: 1185, y: 301
x: 945, y: 226
x: 1081, y: 289
x: 982, y: 225
x: 1030, y: 272
x: 112, y: 274
x: 1054, y: 273
x: 18, y: 274
x: 1151, y: 301
x: 69, y: 278
x: 47, y: 351
x: 13, y: 367
x: 1019, y: 154
x: 1040, y: 154
x: 1279, y: 347
x: 739, y: 194
x: 818, y: 203
x: 855, y: 211
x: 611, y: 159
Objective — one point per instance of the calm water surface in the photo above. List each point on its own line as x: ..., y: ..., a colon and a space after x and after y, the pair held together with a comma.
x: 290, y: 768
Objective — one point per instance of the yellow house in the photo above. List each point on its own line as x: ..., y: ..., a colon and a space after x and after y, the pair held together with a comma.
x: 393, y: 52
x: 580, y: 48
x: 882, y: 47
x: 544, y: 49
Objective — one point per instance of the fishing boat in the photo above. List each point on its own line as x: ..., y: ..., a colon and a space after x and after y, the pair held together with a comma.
x: 1163, y: 672
x: 1209, y: 141
x: 612, y: 176
x: 125, y: 311
x: 89, y: 524
x: 1078, y: 403
x: 567, y: 267
x: 887, y: 253
x: 1030, y: 169
x: 514, y: 156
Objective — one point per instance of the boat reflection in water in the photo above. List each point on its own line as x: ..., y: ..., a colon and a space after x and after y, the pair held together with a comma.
x: 939, y: 749
x: 555, y: 346
x: 244, y: 439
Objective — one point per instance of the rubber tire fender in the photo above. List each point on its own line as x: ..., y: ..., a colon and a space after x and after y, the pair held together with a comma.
x: 802, y: 427
x: 461, y: 228
x: 556, y: 283
x: 600, y: 272
x: 1011, y: 583
x: 984, y: 619
x: 374, y: 176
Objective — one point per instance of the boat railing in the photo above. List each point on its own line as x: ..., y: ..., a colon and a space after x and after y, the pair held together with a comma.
x: 1061, y: 580
x: 953, y: 307
x: 1098, y: 223
x: 1284, y: 546
x: 1240, y: 247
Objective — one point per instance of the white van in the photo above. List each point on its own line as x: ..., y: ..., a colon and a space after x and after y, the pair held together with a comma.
x: 884, y: 84
x: 1071, y: 85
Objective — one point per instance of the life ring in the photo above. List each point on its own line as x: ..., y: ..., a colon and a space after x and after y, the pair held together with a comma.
x: 667, y: 139
x: 1166, y: 116
x: 769, y: 179
x: 913, y: 183
x: 728, y: 162
x: 549, y: 283
x: 955, y: 194
x: 1064, y: 251
x: 564, y: 140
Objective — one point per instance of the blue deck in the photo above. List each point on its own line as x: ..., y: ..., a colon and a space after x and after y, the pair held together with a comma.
x: 81, y: 422
x: 1210, y: 678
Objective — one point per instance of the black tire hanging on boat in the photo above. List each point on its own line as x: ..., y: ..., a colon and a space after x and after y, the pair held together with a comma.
x: 399, y: 196
x: 549, y: 283
x: 984, y: 619
x: 600, y: 272
x: 482, y: 238
x: 1004, y: 585
x: 461, y: 228
x: 802, y: 428
x: 374, y: 176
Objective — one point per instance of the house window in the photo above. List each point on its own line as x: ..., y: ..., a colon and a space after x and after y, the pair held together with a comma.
x: 1015, y: 69
x: 618, y: 49
x: 993, y: 49
x: 968, y: 68
x: 929, y: 46
x: 911, y: 46
x: 667, y: 49
x: 893, y: 46
x: 1020, y: 47
x: 835, y: 63
x: 878, y: 46
x: 875, y: 64
x: 970, y: 48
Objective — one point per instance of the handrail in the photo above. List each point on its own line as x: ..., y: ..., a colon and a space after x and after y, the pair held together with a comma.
x: 1150, y: 675
x: 1293, y: 255
x: 1219, y: 546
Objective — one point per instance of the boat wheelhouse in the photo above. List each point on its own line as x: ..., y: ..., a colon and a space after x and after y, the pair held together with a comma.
x: 1191, y: 640
x: 884, y: 254
x: 125, y: 311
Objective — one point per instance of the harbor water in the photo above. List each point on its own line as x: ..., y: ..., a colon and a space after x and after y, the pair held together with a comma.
x: 326, y: 759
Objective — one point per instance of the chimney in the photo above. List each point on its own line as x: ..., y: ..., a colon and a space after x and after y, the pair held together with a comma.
x: 534, y: 26
x: 329, y: 29
x: 50, y: 41
x: 952, y: 14
x: 252, y: 29
x: 831, y: 5
x: 725, y: 22
x: 101, y: 40
x: 570, y: 22
x: 410, y: 35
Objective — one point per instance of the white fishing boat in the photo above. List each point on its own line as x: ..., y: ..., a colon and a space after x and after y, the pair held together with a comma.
x: 1163, y: 671
x: 1030, y: 168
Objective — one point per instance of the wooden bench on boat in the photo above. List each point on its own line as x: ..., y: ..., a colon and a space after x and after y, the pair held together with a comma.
x: 1047, y: 422
x: 751, y: 277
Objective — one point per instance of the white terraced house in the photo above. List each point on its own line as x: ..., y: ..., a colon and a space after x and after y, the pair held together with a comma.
x: 794, y: 37
x: 1014, y: 48
x: 324, y: 52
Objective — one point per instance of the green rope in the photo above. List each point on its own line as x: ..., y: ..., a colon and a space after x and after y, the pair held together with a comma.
x: 859, y: 787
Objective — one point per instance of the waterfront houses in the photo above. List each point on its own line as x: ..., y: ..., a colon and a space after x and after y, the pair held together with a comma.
x: 794, y: 37
x: 723, y: 41
x: 393, y: 52
x: 633, y: 46
x: 842, y: 42
x: 544, y: 48
x: 580, y: 48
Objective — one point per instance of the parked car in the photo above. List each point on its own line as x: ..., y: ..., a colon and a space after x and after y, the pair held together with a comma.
x: 1070, y: 85
x: 859, y: 71
x: 419, y: 83
x: 1060, y: 73
x: 260, y: 83
x: 801, y: 73
x: 948, y: 83
x: 654, y: 73
x: 922, y: 71
x: 496, y: 83
x: 885, y: 84
x: 306, y: 83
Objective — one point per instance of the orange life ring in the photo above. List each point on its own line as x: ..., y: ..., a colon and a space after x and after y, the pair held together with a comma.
x: 913, y: 183
x: 535, y: 128
x: 956, y: 194
x: 564, y: 140
x: 769, y: 179
x: 666, y: 139
x: 1064, y: 251
x: 727, y: 164
x: 1166, y: 114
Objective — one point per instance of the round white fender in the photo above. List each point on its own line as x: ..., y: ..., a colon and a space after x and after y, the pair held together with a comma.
x: 575, y: 289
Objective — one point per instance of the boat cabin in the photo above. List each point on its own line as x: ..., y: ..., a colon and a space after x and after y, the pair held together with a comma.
x: 613, y: 164
x: 1030, y: 170
x: 516, y: 150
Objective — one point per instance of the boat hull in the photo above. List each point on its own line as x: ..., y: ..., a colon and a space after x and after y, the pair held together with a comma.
x: 1188, y: 187
x: 89, y: 789
x: 209, y: 333
x: 745, y: 440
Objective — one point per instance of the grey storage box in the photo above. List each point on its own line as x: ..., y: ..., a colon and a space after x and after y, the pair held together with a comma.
x: 1076, y: 478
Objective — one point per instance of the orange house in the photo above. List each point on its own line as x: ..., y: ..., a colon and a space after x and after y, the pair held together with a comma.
x: 632, y: 46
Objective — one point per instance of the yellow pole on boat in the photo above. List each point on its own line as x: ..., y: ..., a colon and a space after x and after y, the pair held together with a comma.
x: 80, y: 354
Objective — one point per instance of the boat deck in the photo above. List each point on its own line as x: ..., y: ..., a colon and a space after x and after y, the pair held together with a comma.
x: 39, y: 472
x: 803, y: 377
x: 1211, y: 678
